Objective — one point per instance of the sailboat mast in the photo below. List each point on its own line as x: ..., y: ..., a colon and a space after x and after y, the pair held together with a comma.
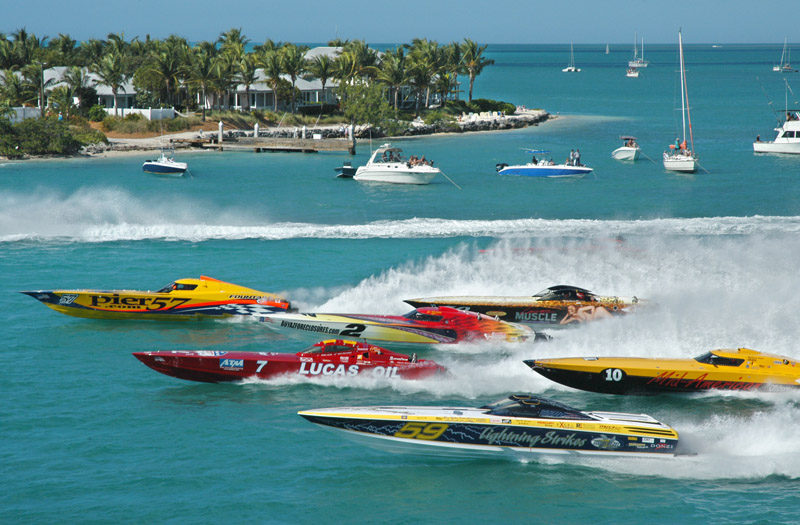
x: 642, y: 49
x: 685, y: 96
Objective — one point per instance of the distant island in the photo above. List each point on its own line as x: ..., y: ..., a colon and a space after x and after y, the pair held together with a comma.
x: 58, y: 96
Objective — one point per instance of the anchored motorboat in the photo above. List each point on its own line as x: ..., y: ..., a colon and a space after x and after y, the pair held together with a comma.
x: 544, y: 168
x: 165, y: 164
x: 388, y: 165
x: 628, y: 151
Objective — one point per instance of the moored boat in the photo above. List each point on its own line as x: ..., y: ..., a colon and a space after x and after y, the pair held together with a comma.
x: 182, y: 299
x: 326, y: 359
x: 386, y: 164
x: 165, y: 164
x: 544, y: 168
x: 519, y: 425
x: 554, y: 306
x: 632, y: 72
x: 741, y: 369
x: 571, y: 67
x: 679, y: 157
x: 628, y: 151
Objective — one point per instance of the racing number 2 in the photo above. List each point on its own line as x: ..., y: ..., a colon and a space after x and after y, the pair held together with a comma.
x: 353, y: 330
x: 427, y: 431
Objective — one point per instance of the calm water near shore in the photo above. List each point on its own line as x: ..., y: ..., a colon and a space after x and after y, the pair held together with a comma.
x: 88, y: 433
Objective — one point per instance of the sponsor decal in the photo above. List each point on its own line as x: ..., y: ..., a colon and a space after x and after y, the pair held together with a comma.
x: 545, y: 316
x: 231, y: 364
x: 247, y: 297
x: 209, y: 353
x: 327, y: 369
x: 116, y: 302
x: 551, y: 439
x: 309, y: 327
x: 496, y: 313
x: 606, y: 443
x: 67, y: 298
x: 674, y: 379
x: 648, y: 440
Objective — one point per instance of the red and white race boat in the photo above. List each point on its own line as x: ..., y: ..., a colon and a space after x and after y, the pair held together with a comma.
x: 330, y: 358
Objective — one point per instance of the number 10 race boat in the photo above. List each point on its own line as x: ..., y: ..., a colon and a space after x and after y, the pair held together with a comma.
x: 521, y: 424
x: 183, y: 299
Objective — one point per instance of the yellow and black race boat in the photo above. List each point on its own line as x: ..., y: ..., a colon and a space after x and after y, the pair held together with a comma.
x: 741, y: 369
x: 182, y: 299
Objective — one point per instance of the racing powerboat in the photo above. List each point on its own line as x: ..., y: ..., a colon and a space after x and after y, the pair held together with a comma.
x: 387, y: 165
x: 543, y: 168
x: 330, y: 358
x: 553, y: 306
x: 519, y: 425
x: 741, y: 369
x: 423, y: 325
x: 182, y: 299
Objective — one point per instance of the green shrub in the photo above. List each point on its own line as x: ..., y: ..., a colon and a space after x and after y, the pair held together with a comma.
x: 485, y: 104
x: 440, y: 116
x: 97, y: 113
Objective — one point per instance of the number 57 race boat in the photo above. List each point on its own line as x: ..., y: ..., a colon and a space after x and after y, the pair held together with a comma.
x: 423, y: 325
x: 521, y: 424
x: 741, y: 369
x: 183, y: 299
x: 331, y: 358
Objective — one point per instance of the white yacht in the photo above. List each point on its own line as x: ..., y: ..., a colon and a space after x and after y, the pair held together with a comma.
x: 638, y: 60
x: 571, y: 67
x: 388, y: 165
x: 628, y: 151
x: 788, y: 139
x: 632, y: 72
x: 785, y: 65
x: 680, y: 157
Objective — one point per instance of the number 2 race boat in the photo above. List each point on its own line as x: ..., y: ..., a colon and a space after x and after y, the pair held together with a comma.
x: 554, y: 306
x: 331, y: 358
x: 741, y: 369
x: 183, y: 299
x: 423, y: 325
x: 521, y: 424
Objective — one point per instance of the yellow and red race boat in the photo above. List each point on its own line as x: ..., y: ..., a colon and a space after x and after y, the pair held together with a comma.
x: 740, y: 369
x: 182, y: 299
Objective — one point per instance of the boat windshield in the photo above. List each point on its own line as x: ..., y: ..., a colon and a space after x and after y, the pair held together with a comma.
x: 717, y: 360
x: 329, y: 349
x: 414, y: 315
x: 527, y: 405
x: 565, y: 294
x: 177, y: 286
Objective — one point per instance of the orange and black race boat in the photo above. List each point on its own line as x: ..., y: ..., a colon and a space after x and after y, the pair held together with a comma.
x: 182, y: 299
x: 740, y: 369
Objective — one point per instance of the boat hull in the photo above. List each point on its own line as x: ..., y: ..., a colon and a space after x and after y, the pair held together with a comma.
x: 791, y: 148
x: 681, y: 163
x: 399, y: 175
x: 470, y: 436
x: 174, y: 169
x: 625, y: 153
x: 554, y: 171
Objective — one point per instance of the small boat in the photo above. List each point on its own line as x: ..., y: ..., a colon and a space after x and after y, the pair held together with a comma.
x: 785, y: 65
x: 788, y: 138
x: 421, y: 326
x: 741, y: 369
x: 679, y: 157
x: 345, y: 171
x: 387, y: 165
x: 518, y: 425
x: 638, y: 61
x: 632, y: 72
x: 554, y: 306
x: 607, y: 50
x: 571, y: 67
x: 628, y: 151
x: 165, y: 165
x: 182, y: 299
x: 326, y: 359
x: 543, y: 168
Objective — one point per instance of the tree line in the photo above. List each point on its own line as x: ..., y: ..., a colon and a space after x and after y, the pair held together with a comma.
x: 173, y: 72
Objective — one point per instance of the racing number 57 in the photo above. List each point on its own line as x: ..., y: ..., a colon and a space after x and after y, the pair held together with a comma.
x: 427, y: 431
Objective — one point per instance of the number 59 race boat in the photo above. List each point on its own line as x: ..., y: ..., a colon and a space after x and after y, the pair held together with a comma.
x: 554, y: 306
x: 741, y: 369
x: 331, y: 358
x: 183, y: 299
x: 423, y: 325
x: 521, y: 424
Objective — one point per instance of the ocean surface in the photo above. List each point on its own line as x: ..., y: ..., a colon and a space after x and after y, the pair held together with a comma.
x: 87, y: 433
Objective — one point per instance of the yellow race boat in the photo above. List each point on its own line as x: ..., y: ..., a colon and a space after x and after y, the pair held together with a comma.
x: 182, y: 299
x: 740, y: 369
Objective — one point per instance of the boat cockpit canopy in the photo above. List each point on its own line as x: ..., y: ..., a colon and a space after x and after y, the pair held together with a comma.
x: 171, y: 287
x: 718, y: 360
x: 528, y: 405
x: 416, y: 315
x: 565, y: 293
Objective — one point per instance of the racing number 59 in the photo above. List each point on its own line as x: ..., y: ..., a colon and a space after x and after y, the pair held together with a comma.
x: 427, y: 431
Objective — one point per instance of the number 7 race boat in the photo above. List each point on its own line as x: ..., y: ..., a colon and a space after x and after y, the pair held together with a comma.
x: 521, y: 424
x: 331, y: 358
x: 423, y: 325
x: 183, y: 299
x: 741, y: 369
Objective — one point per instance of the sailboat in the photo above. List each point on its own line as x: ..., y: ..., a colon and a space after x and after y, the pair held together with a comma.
x: 571, y: 67
x: 785, y: 66
x: 638, y: 61
x: 607, y: 50
x: 679, y: 157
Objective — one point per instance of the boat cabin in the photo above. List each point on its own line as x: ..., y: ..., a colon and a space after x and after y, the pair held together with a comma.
x: 341, y: 348
x: 744, y: 357
x: 529, y: 405
x: 565, y: 293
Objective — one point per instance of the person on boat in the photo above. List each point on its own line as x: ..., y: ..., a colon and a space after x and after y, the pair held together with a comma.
x: 534, y: 161
x: 571, y: 160
x: 677, y: 144
x: 758, y: 138
x: 422, y: 161
x: 578, y: 157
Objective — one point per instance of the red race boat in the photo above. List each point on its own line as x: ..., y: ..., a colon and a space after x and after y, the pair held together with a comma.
x: 330, y: 358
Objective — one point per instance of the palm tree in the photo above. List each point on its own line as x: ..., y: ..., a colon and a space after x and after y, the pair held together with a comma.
x: 268, y: 46
x: 426, y: 63
x: 110, y: 69
x: 61, y: 100
x: 34, y: 75
x: 453, y: 55
x: 294, y: 64
x: 392, y: 72
x: 65, y: 47
x: 271, y: 62
x: 90, y: 51
x: 200, y: 72
x: 321, y: 67
x: 232, y: 37
x: 247, y: 74
x: 15, y: 90
x: 473, y: 61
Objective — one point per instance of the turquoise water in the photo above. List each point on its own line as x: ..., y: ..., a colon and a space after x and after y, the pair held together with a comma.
x: 88, y: 433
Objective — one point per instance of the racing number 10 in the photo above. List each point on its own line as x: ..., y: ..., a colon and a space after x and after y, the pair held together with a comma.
x: 427, y: 431
x: 613, y: 374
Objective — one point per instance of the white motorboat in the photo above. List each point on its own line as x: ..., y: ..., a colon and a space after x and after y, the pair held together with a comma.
x: 638, y: 60
x: 785, y: 65
x: 788, y: 138
x: 679, y: 157
x: 387, y: 165
x: 545, y: 168
x: 632, y: 72
x: 628, y: 151
x: 571, y: 67
x: 165, y: 165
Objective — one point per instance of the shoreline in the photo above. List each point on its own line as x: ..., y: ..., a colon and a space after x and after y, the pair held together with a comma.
x: 473, y: 123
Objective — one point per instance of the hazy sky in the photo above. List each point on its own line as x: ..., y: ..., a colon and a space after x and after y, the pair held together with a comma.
x: 487, y: 21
